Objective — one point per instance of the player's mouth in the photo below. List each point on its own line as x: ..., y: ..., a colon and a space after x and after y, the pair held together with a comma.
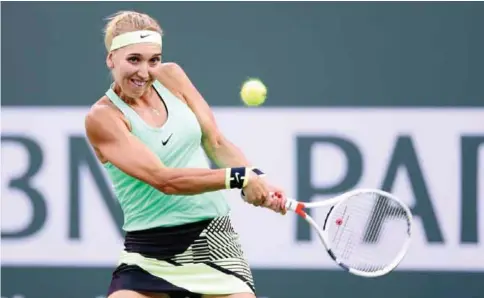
x: 138, y: 83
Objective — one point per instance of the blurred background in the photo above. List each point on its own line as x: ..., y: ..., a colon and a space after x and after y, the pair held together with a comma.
x: 386, y: 95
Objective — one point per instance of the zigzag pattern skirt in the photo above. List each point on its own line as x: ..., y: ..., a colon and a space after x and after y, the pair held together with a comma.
x: 184, y: 261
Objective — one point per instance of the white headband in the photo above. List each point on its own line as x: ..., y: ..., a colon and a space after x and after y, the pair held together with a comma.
x: 142, y: 36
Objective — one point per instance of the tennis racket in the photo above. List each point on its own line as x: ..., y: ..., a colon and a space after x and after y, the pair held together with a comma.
x: 367, y: 232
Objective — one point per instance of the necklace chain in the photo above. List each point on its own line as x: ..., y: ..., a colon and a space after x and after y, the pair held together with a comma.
x: 155, y: 111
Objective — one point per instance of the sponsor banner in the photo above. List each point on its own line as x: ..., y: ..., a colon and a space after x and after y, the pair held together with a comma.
x: 62, y: 282
x: 58, y: 207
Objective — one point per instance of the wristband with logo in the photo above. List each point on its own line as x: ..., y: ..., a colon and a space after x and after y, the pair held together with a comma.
x: 236, y: 177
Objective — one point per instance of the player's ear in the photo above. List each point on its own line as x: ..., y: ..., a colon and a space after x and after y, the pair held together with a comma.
x: 109, y: 61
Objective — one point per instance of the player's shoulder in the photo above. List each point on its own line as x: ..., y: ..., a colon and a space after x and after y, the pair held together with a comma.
x: 101, y: 111
x: 171, y: 68
x: 173, y: 77
x: 103, y: 107
x: 173, y: 72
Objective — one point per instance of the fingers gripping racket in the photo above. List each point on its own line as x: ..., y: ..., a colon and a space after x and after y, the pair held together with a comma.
x: 366, y: 231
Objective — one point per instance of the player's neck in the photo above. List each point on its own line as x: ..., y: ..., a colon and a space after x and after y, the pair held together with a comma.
x: 142, y: 101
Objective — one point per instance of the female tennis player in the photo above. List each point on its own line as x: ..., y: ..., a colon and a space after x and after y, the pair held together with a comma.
x: 150, y: 131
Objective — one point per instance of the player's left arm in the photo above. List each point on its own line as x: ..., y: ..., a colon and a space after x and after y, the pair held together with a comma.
x: 217, y: 147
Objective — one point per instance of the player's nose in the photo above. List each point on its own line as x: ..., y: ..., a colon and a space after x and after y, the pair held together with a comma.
x: 143, y: 72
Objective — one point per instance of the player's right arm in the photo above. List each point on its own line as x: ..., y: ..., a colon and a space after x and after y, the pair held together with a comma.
x: 111, y: 138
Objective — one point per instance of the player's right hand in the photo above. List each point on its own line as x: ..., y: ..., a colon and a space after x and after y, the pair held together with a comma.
x: 257, y: 191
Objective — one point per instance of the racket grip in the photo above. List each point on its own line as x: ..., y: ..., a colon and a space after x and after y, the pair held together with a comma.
x: 242, y: 195
x: 271, y: 194
x: 291, y: 204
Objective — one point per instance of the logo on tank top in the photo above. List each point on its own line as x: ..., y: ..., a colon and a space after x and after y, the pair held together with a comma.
x: 164, y: 142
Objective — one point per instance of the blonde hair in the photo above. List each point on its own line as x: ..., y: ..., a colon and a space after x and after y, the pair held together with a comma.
x: 128, y: 21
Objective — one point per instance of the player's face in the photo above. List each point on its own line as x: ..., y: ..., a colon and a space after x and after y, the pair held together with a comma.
x: 134, y: 67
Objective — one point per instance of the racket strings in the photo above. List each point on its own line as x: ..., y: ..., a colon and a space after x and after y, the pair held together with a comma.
x: 367, y: 263
x: 371, y: 232
x: 375, y: 229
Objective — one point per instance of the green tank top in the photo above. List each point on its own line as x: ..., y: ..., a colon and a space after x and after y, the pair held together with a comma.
x: 178, y: 145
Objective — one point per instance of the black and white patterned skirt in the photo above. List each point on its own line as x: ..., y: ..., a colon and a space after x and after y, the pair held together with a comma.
x: 184, y: 261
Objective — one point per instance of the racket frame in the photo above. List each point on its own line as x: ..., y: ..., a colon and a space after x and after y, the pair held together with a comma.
x: 299, y: 208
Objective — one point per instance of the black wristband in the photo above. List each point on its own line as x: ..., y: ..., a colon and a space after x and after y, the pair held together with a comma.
x: 236, y: 177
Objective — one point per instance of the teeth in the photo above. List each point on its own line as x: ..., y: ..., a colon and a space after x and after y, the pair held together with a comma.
x: 138, y: 83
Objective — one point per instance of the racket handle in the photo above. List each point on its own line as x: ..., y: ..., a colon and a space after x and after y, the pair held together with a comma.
x: 291, y: 204
x: 242, y: 194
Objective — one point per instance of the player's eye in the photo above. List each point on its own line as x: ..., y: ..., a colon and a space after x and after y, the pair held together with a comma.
x: 155, y: 59
x: 133, y: 59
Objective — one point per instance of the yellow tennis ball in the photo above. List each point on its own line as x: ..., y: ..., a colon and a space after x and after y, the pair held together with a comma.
x: 253, y: 92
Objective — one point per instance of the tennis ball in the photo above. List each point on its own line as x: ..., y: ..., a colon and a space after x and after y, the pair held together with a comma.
x: 253, y: 92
